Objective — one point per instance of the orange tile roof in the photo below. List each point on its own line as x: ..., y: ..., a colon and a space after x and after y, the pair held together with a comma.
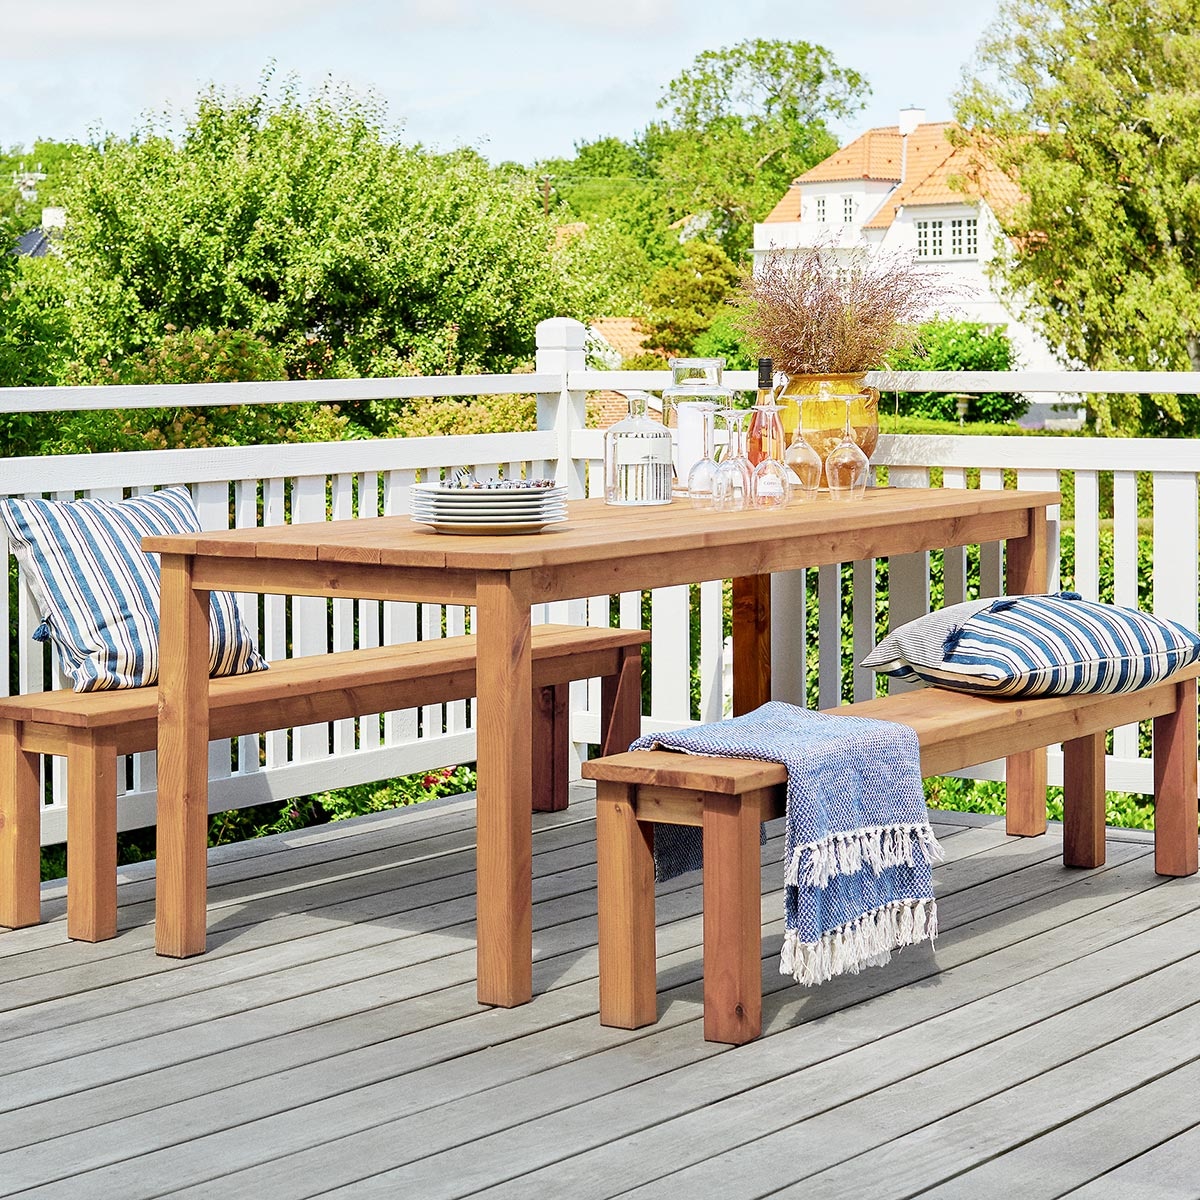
x: 623, y: 334
x: 874, y: 155
x: 935, y: 172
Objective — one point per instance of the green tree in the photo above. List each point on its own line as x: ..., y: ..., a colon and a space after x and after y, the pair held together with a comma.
x: 302, y: 223
x: 1091, y: 106
x: 683, y: 300
x: 743, y: 122
x: 945, y: 345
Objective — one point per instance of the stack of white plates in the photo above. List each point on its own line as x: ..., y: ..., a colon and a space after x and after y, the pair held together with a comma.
x: 519, y: 506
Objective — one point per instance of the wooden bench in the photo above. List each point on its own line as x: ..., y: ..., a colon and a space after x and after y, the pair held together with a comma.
x: 92, y: 728
x: 729, y: 797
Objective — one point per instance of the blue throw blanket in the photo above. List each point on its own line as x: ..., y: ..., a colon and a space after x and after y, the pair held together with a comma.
x: 858, y: 848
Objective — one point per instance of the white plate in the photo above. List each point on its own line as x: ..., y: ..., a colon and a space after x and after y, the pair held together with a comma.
x: 467, y: 528
x: 469, y: 495
x: 437, y: 519
x: 507, y: 514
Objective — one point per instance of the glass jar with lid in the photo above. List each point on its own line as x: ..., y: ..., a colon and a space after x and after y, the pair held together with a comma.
x: 695, y: 382
x: 637, y: 458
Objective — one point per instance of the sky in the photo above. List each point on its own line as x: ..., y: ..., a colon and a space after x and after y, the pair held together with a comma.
x: 519, y: 80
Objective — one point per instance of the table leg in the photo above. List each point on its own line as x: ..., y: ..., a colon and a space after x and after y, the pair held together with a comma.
x: 1025, y: 774
x: 504, y: 746
x: 181, y: 881
x: 751, y: 642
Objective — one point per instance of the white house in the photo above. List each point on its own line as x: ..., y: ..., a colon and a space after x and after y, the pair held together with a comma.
x: 890, y: 189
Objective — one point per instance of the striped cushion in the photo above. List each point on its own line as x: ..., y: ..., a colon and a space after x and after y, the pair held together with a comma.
x: 1036, y: 646
x: 98, y: 591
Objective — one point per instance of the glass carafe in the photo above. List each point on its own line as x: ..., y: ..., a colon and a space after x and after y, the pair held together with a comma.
x: 637, y: 458
x: 694, y: 382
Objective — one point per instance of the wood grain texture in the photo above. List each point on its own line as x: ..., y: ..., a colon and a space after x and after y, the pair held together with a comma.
x: 732, y: 921
x: 1083, y: 801
x: 621, y: 702
x: 1175, y: 845
x: 751, y: 642
x: 504, y: 937
x: 20, y: 830
x: 92, y: 838
x: 182, y: 763
x: 625, y: 902
x: 551, y: 715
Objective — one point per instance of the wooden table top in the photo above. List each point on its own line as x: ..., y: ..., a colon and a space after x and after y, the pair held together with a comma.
x: 593, y: 529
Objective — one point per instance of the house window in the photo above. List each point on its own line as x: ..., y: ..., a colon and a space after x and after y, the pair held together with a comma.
x: 847, y: 209
x: 929, y: 239
x: 821, y: 209
x: 971, y: 240
x: 956, y: 238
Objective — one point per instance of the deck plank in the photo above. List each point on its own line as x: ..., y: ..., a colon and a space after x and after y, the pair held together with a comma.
x: 330, y: 1041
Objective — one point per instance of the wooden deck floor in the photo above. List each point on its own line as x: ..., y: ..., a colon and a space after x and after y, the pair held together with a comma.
x: 329, y: 1043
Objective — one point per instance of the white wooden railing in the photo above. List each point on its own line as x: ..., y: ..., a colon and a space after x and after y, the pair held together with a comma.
x: 352, y: 480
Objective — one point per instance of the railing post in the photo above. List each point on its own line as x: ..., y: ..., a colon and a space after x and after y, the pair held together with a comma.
x: 560, y: 349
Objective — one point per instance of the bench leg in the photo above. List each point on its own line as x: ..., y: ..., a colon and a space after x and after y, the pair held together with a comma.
x: 20, y: 831
x: 732, y: 921
x: 1025, y: 794
x: 621, y: 703
x: 551, y: 747
x: 625, y: 879
x: 1083, y: 801
x: 1175, y: 847
x: 91, y: 840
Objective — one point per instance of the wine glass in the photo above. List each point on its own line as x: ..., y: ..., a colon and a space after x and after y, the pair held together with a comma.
x: 803, y: 463
x: 846, y: 466
x: 731, y: 483
x: 770, y: 486
x: 703, y: 474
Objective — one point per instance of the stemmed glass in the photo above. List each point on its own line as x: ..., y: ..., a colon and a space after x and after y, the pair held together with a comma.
x: 702, y: 476
x: 846, y: 466
x: 731, y: 483
x: 803, y: 463
x: 770, y: 486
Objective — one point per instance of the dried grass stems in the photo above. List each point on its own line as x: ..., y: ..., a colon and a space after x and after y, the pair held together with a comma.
x: 817, y: 311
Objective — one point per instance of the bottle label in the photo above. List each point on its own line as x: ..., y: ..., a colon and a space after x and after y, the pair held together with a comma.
x: 632, y: 451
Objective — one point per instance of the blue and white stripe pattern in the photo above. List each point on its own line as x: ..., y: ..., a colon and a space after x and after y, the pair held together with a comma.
x: 98, y: 591
x: 1037, y: 646
x: 858, y: 880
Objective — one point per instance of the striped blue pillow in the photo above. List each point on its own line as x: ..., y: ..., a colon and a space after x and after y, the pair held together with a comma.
x: 1036, y: 646
x: 98, y: 591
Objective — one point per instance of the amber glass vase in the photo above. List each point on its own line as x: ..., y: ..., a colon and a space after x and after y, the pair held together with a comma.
x: 825, y: 413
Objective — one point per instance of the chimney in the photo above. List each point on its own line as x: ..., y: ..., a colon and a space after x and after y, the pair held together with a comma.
x: 910, y: 118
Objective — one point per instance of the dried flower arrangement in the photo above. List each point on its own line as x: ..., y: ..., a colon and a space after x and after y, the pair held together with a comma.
x: 817, y: 312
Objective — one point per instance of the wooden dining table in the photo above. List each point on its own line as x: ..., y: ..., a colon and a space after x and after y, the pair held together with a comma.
x: 598, y: 550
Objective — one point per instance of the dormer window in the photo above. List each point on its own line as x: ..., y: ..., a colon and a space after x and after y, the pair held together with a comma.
x: 847, y: 209
x: 821, y: 210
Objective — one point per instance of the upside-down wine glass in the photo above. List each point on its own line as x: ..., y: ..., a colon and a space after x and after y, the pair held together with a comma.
x: 803, y: 463
x: 770, y: 486
x: 702, y: 476
x: 847, y: 466
x: 731, y: 483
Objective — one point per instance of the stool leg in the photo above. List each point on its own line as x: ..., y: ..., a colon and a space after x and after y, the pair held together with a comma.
x: 91, y: 840
x: 732, y: 921
x: 1025, y: 794
x: 1175, y: 847
x: 20, y: 831
x: 625, y: 886
x: 1083, y: 801
x: 551, y: 747
x: 621, y: 703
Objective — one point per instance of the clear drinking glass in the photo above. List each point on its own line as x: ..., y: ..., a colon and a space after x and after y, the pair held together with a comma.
x: 731, y: 484
x: 804, y: 464
x: 847, y: 466
x: 704, y: 471
x: 694, y: 382
x: 770, y: 486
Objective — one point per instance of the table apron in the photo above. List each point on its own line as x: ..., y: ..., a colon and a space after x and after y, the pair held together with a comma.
x: 787, y: 553
x: 364, y: 581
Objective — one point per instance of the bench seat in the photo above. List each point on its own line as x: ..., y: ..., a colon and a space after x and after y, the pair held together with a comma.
x: 729, y: 797
x: 92, y: 728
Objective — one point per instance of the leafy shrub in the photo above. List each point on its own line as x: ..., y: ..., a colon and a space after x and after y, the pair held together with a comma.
x: 958, y: 346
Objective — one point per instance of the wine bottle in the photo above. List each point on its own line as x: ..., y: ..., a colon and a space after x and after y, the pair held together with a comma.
x: 755, y: 450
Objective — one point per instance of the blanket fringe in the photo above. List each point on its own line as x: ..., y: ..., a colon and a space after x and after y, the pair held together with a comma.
x: 814, y: 864
x: 865, y: 942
